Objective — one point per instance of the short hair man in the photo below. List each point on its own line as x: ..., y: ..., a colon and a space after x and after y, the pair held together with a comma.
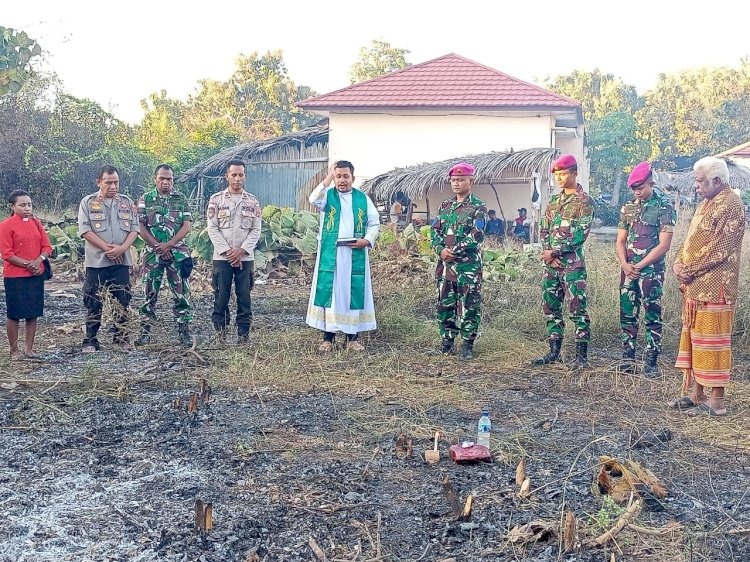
x: 707, y: 268
x: 563, y: 229
x: 522, y: 226
x: 457, y: 234
x: 108, y: 223
x: 165, y: 220
x: 495, y: 227
x: 341, y: 297
x: 234, y: 223
x: 644, y: 235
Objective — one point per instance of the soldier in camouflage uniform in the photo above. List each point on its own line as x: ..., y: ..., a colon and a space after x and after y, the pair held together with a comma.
x: 457, y: 234
x: 165, y: 221
x: 563, y: 229
x: 643, y: 238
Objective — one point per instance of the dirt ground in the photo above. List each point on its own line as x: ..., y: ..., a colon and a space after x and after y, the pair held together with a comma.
x: 102, y: 461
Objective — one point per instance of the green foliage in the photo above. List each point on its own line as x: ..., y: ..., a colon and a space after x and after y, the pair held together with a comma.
x: 609, y: 512
x: 16, y: 52
x: 500, y: 264
x: 378, y: 59
x: 285, y: 236
x: 608, y: 214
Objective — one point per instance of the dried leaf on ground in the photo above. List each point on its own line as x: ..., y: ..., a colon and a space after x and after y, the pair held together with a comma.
x: 521, y: 472
x: 531, y: 532
x: 621, y: 479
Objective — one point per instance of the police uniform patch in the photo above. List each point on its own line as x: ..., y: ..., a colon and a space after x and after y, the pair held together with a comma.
x: 211, y: 212
x: 98, y: 225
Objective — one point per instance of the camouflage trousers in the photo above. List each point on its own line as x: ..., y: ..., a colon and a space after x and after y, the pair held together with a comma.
x: 645, y: 291
x: 556, y: 285
x: 153, y: 274
x: 459, y: 309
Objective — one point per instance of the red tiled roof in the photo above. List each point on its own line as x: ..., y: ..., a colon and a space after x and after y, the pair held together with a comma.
x: 740, y: 151
x: 447, y: 81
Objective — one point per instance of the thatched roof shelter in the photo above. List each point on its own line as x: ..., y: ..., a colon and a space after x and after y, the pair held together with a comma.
x: 415, y: 181
x: 739, y: 178
x: 214, y: 166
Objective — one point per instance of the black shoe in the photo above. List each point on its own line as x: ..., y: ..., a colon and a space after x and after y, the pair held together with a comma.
x: 581, y: 360
x: 467, y: 351
x: 651, y: 368
x: 551, y: 356
x: 144, y: 337
x: 627, y: 365
x: 183, y: 334
x: 447, y: 346
x: 90, y: 346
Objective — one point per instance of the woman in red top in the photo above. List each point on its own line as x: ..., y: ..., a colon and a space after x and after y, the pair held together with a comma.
x: 25, y: 247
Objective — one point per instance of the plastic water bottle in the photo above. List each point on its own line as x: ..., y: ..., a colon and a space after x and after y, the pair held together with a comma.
x: 483, y: 429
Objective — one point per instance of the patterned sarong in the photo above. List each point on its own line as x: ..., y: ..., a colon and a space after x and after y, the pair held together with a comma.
x: 705, y: 344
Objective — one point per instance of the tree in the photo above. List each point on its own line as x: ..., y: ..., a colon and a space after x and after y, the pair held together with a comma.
x: 597, y: 93
x: 257, y: 102
x: 608, y: 106
x: 614, y: 146
x: 378, y: 59
x: 697, y: 112
x: 16, y: 51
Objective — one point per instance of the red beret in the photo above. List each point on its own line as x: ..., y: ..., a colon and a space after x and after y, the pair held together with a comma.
x: 565, y: 162
x: 461, y: 169
x: 640, y: 174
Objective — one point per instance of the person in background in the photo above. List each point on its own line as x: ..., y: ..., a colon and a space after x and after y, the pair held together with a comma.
x: 165, y: 220
x: 108, y: 223
x: 563, y: 229
x: 234, y: 223
x: 495, y: 227
x: 25, y: 248
x: 522, y: 226
x: 707, y: 267
x: 644, y: 235
x: 456, y: 237
x: 341, y: 297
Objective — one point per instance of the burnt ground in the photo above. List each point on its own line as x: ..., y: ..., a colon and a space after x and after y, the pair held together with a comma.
x: 101, y: 461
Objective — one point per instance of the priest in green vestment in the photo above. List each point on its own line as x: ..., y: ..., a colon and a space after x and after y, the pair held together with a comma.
x: 341, y: 294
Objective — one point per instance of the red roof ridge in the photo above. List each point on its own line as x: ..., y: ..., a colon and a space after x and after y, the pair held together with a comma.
x: 509, y: 92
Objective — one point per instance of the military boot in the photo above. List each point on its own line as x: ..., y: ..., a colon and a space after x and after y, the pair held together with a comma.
x: 467, y: 350
x: 627, y: 365
x: 551, y: 356
x: 581, y: 360
x: 144, y: 337
x: 184, y: 335
x: 651, y: 369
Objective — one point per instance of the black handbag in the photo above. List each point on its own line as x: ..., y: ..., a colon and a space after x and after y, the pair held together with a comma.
x: 47, y: 271
x: 47, y: 266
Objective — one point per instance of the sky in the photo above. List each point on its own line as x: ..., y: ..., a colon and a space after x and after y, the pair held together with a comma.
x: 119, y: 53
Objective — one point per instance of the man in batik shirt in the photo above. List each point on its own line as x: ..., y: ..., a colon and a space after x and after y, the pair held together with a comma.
x: 707, y: 268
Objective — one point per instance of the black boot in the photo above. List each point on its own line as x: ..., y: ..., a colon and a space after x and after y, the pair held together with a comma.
x: 551, y: 356
x: 651, y: 369
x: 467, y: 350
x: 447, y: 346
x: 144, y: 338
x: 581, y: 360
x: 184, y: 335
x: 627, y: 365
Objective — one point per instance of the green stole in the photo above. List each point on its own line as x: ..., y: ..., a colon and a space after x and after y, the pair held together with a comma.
x: 328, y: 250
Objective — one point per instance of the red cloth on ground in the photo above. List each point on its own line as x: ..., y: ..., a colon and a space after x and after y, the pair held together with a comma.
x: 25, y: 239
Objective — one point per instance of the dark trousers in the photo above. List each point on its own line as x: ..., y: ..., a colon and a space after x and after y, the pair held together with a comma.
x: 222, y: 278
x: 114, y: 279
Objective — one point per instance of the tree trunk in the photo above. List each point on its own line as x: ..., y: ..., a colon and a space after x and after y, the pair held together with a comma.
x: 616, y: 191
